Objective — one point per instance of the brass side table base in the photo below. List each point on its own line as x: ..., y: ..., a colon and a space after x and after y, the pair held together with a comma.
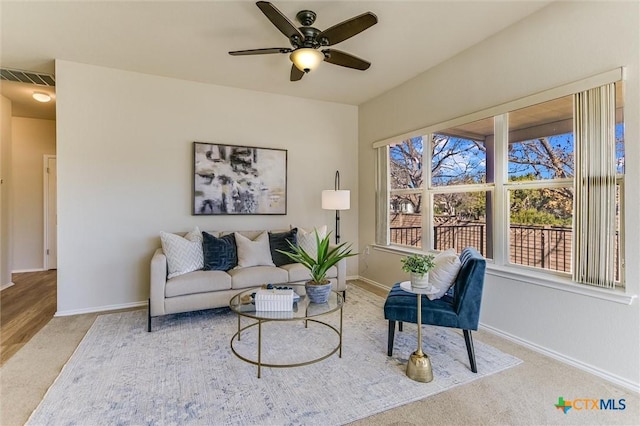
x: 419, y: 367
x: 419, y: 364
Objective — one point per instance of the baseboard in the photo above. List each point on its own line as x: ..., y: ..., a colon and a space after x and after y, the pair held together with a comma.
x: 374, y: 283
x: 7, y: 285
x: 21, y: 271
x: 105, y: 308
x: 635, y: 387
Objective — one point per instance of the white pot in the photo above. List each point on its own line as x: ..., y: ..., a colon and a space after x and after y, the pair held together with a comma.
x: 420, y: 280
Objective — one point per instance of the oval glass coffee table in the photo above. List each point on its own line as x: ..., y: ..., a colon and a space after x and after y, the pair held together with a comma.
x: 303, y: 310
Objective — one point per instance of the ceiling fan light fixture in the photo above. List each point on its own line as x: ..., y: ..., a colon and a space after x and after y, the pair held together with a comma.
x: 41, y: 97
x: 306, y: 59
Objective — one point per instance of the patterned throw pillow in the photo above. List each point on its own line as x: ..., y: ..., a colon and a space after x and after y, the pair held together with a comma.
x: 184, y: 254
x: 253, y: 253
x: 219, y: 253
x: 307, y: 239
x: 280, y: 241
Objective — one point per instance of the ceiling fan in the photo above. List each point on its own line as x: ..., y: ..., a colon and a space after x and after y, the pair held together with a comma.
x: 306, y: 41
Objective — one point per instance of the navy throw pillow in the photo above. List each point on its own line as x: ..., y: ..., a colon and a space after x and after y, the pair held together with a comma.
x: 219, y: 253
x: 278, y: 241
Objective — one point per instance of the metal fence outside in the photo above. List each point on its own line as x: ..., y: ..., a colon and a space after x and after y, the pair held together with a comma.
x: 546, y: 247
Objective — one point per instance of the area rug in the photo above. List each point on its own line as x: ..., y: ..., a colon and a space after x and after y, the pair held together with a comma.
x: 185, y: 373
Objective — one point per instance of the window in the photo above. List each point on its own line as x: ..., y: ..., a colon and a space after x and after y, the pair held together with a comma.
x: 405, y: 201
x: 458, y: 187
x: 540, y: 185
x: 508, y: 185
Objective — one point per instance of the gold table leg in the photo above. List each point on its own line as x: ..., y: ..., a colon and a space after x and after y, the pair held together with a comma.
x: 419, y: 364
x: 259, y: 346
x: 340, y: 353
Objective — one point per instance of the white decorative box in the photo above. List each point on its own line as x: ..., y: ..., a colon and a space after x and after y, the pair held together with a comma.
x: 274, y: 300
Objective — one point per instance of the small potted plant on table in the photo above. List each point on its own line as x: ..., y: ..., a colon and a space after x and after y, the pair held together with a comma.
x: 319, y: 287
x: 418, y: 265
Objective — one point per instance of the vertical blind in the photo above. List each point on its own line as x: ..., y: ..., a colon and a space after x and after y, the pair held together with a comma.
x: 595, y: 187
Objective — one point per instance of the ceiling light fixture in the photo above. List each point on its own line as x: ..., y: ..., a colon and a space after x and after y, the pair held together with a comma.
x: 41, y: 97
x: 306, y: 59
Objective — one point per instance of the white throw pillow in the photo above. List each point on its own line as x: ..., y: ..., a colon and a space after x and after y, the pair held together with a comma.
x: 443, y: 275
x: 184, y: 254
x: 253, y: 253
x: 307, y: 239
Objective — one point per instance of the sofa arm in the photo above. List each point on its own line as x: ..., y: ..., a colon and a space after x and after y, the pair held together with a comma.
x: 158, y: 282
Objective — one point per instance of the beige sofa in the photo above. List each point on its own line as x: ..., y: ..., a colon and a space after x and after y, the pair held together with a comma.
x: 199, y: 290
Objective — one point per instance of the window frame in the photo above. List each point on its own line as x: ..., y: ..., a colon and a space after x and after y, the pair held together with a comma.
x: 501, y: 186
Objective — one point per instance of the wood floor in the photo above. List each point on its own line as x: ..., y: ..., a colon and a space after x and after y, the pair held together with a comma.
x: 25, y: 308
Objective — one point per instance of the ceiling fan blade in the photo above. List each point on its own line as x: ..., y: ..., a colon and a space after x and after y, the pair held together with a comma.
x: 344, y: 59
x: 296, y: 74
x: 260, y: 51
x: 349, y: 28
x: 281, y: 22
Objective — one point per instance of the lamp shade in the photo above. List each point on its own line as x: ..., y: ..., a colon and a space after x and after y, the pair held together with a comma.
x: 336, y: 199
x: 306, y: 59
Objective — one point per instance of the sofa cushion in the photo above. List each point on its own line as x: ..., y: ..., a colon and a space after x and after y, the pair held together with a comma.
x: 280, y: 241
x: 184, y: 254
x: 219, y: 253
x: 257, y: 275
x: 297, y: 272
x: 253, y: 253
x: 197, y: 282
x: 307, y: 239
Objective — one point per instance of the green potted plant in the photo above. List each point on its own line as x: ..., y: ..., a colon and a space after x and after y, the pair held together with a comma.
x: 418, y: 265
x: 319, y: 288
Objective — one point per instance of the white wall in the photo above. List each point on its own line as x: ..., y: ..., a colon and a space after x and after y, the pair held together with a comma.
x: 5, y: 193
x: 125, y: 168
x: 31, y: 140
x: 564, y: 42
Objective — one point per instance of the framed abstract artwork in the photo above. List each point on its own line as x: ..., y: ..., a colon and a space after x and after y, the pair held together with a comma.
x: 235, y: 180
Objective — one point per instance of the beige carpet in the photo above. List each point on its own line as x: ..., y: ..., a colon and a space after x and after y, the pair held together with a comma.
x: 525, y: 394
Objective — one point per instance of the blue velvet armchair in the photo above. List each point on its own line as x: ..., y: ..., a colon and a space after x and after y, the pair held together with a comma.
x: 459, y: 310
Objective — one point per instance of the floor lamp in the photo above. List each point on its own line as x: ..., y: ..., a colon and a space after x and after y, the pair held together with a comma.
x: 336, y: 199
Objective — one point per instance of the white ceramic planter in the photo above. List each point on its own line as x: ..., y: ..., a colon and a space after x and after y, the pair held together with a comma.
x: 420, y: 280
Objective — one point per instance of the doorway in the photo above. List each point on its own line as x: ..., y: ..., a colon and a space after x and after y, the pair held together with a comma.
x: 50, y: 213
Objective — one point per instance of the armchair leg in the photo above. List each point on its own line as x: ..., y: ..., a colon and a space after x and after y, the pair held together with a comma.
x: 472, y: 356
x: 399, y: 325
x: 149, y: 316
x: 392, y: 332
x: 344, y: 295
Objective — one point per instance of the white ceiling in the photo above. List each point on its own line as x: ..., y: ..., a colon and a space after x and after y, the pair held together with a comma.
x: 190, y: 40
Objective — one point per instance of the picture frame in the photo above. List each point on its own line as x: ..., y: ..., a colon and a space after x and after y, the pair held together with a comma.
x: 238, y: 180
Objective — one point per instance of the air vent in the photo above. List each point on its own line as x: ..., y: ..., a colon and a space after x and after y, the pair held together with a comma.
x: 27, y: 77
